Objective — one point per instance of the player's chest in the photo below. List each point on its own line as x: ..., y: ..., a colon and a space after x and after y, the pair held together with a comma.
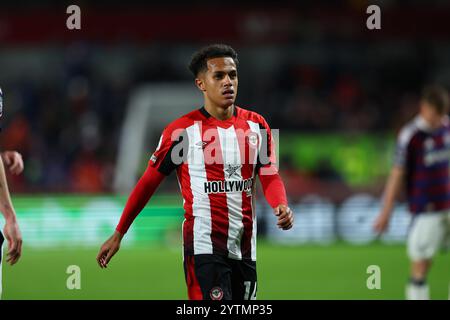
x: 228, y: 147
x: 435, y: 149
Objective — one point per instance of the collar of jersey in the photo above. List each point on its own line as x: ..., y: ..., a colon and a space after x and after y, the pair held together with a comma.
x: 217, y: 121
x: 423, y: 125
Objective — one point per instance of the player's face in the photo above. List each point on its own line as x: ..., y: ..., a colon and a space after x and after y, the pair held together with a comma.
x: 220, y: 82
x: 430, y: 114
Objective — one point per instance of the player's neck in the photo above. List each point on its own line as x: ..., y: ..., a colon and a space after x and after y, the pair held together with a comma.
x: 433, y: 124
x: 218, y: 112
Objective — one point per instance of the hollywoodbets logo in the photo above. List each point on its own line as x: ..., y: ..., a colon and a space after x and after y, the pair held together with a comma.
x: 226, y: 186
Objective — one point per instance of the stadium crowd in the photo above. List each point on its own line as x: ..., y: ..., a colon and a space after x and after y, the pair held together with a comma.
x: 67, y: 124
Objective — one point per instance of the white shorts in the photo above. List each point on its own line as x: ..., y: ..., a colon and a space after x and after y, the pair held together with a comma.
x: 428, y: 233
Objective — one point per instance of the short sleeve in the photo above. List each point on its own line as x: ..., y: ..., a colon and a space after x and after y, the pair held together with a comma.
x: 401, y: 149
x: 171, y: 150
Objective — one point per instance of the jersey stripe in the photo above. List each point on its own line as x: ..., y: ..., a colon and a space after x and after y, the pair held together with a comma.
x: 432, y: 173
x: 201, y: 206
x: 247, y: 152
x: 232, y: 171
x: 184, y: 181
x: 255, y: 128
x: 214, y: 172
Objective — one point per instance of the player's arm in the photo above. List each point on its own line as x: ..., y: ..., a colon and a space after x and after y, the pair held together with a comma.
x: 275, y: 194
x: 395, y: 181
x: 137, y: 200
x: 272, y: 185
x: 11, y: 229
x: 392, y: 189
x: 161, y: 164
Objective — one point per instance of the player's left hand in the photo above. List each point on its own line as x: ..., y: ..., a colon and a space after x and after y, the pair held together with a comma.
x: 285, y: 217
x: 13, y: 161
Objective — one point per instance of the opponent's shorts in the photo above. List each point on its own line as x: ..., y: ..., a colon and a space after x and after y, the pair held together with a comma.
x: 214, y: 277
x: 428, y: 233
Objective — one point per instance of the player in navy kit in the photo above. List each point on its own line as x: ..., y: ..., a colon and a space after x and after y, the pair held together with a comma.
x: 217, y: 151
x: 422, y: 162
x: 11, y: 229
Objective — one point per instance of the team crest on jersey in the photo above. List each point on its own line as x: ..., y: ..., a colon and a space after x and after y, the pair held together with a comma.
x: 216, y: 293
x: 253, y: 139
x: 202, y: 144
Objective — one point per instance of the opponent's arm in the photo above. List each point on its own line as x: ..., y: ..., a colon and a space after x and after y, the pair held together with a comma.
x: 391, y: 192
x: 11, y: 229
x: 137, y: 200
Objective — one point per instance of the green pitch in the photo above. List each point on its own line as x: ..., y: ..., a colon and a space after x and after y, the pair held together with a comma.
x: 337, y: 271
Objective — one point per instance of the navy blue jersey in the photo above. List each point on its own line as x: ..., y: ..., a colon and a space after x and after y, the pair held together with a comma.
x: 424, y: 153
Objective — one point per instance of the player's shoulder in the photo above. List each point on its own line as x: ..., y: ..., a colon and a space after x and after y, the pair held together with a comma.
x: 249, y: 115
x: 410, y: 130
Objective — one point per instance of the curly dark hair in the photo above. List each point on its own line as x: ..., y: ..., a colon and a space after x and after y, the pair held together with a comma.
x: 199, y: 59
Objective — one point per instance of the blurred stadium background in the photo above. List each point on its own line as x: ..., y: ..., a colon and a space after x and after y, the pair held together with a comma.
x: 86, y: 108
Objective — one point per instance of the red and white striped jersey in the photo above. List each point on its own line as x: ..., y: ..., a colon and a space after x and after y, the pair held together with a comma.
x: 216, y: 162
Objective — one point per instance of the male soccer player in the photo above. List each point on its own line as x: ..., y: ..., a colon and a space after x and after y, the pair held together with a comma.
x: 217, y: 151
x: 422, y: 159
x: 11, y: 230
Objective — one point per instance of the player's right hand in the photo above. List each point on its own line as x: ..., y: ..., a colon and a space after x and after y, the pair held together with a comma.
x: 381, y: 223
x: 109, y: 249
x: 14, y: 237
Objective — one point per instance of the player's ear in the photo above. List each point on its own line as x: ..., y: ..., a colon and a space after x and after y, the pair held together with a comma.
x: 200, y: 83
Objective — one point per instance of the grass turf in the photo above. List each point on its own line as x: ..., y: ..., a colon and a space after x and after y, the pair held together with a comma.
x: 337, y: 271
